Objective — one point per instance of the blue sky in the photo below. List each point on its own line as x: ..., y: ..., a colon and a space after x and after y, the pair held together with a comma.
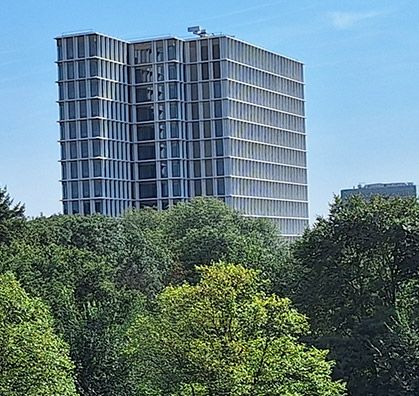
x: 361, y: 69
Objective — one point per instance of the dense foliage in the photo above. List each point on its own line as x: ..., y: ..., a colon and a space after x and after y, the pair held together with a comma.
x: 225, y: 336
x: 359, y: 285
x: 33, y: 360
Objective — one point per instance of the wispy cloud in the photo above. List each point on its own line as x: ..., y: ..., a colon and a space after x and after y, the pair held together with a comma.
x: 345, y: 20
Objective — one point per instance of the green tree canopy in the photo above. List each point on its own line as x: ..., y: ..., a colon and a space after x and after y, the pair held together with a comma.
x: 11, y: 217
x: 359, y: 285
x: 33, y: 360
x: 225, y: 336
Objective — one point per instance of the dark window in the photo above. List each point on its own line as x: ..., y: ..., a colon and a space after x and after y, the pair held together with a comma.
x: 82, y: 69
x: 205, y: 90
x: 206, y: 109
x: 86, y: 189
x: 220, y: 167
x: 207, y: 148
x: 173, y: 91
x: 208, y: 168
x: 72, y: 129
x: 164, y: 189
x: 174, y: 130
x: 209, y: 187
x: 97, y: 148
x: 83, y: 109
x: 82, y: 89
x: 172, y: 72
x: 74, y: 190
x: 175, y: 168
x: 84, y: 169
x: 219, y: 149
x: 94, y: 107
x: 144, y: 94
x: 80, y: 47
x: 75, y: 207
x: 146, y: 151
x: 195, y: 113
x: 216, y: 71
x: 218, y: 128
x: 197, y: 168
x: 97, y: 185
x: 93, y: 68
x: 198, y: 187
x: 97, y: 168
x: 217, y: 89
x: 94, y: 88
x: 84, y: 149
x: 192, y: 51
x: 204, y: 70
x: 143, y: 74
x: 194, y: 91
x: 147, y: 170
x: 83, y: 129
x: 218, y: 110
x: 204, y: 50
x: 171, y: 49
x: 220, y: 187
x: 148, y: 190
x: 176, y: 188
x: 145, y: 113
x: 196, y: 149
x: 145, y: 132
x: 194, y: 72
x: 173, y: 110
x: 216, y: 48
x: 175, y: 149
x: 95, y: 128
x: 92, y: 45
x: 74, y: 174
x: 70, y: 49
x: 73, y: 150
x: 207, y: 129
x: 195, y: 130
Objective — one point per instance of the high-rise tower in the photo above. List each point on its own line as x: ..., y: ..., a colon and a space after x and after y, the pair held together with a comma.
x: 154, y: 122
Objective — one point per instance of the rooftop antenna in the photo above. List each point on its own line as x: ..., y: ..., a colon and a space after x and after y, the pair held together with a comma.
x: 198, y: 30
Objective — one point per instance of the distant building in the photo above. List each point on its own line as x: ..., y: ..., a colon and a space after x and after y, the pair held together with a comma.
x: 158, y: 121
x: 386, y: 189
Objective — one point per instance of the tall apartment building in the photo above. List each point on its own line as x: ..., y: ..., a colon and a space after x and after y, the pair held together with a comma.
x: 155, y: 122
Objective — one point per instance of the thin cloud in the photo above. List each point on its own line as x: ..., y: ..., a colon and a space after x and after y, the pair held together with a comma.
x: 345, y: 20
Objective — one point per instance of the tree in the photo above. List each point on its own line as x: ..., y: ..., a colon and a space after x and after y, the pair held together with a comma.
x: 33, y: 360
x: 11, y: 217
x: 225, y: 336
x: 359, y: 285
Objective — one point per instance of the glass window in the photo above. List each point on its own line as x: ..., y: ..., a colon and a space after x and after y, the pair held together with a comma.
x: 162, y: 111
x: 195, y: 130
x: 173, y: 110
x: 192, y: 51
x: 97, y: 148
x: 142, y: 53
x: 171, y: 49
x: 208, y: 168
x: 174, y: 129
x: 80, y: 47
x: 86, y: 207
x: 65, y: 192
x: 204, y: 70
x: 98, y: 206
x: 71, y: 94
x: 206, y: 109
x: 84, y: 149
x: 92, y: 45
x: 194, y: 72
x: 69, y: 46
x: 163, y: 169
x: 71, y: 110
x: 144, y: 93
x: 220, y: 167
x: 147, y: 170
x: 94, y: 107
x: 95, y: 128
x: 82, y: 69
x: 218, y: 111
x: 172, y: 71
x: 60, y: 49
x: 176, y: 188
x: 97, y: 185
x: 75, y: 207
x: 194, y: 91
x: 86, y: 189
x: 204, y: 50
x: 146, y: 151
x: 97, y: 168
x: 205, y: 90
x: 196, y: 149
x: 94, y: 87
x: 145, y: 132
x: 175, y: 149
x: 207, y: 148
x: 83, y: 109
x: 73, y: 150
x: 216, y: 71
x: 148, y: 190
x: 74, y: 190
x: 219, y: 128
x: 198, y: 187
x: 217, y: 89
x: 84, y: 169
x: 197, y: 168
x: 82, y: 89
x: 145, y: 113
x: 216, y: 48
x: 159, y: 51
x: 209, y: 187
x: 195, y: 113
x: 163, y: 150
x: 83, y: 129
x: 220, y: 187
x: 93, y: 68
x: 60, y: 91
x: 160, y: 72
x: 164, y: 189
x: 175, y: 168
x: 207, y: 129
x: 219, y: 148
x: 173, y: 91
x: 73, y: 170
x: 160, y: 92
x: 162, y: 130
x: 72, y: 129
x: 143, y: 74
